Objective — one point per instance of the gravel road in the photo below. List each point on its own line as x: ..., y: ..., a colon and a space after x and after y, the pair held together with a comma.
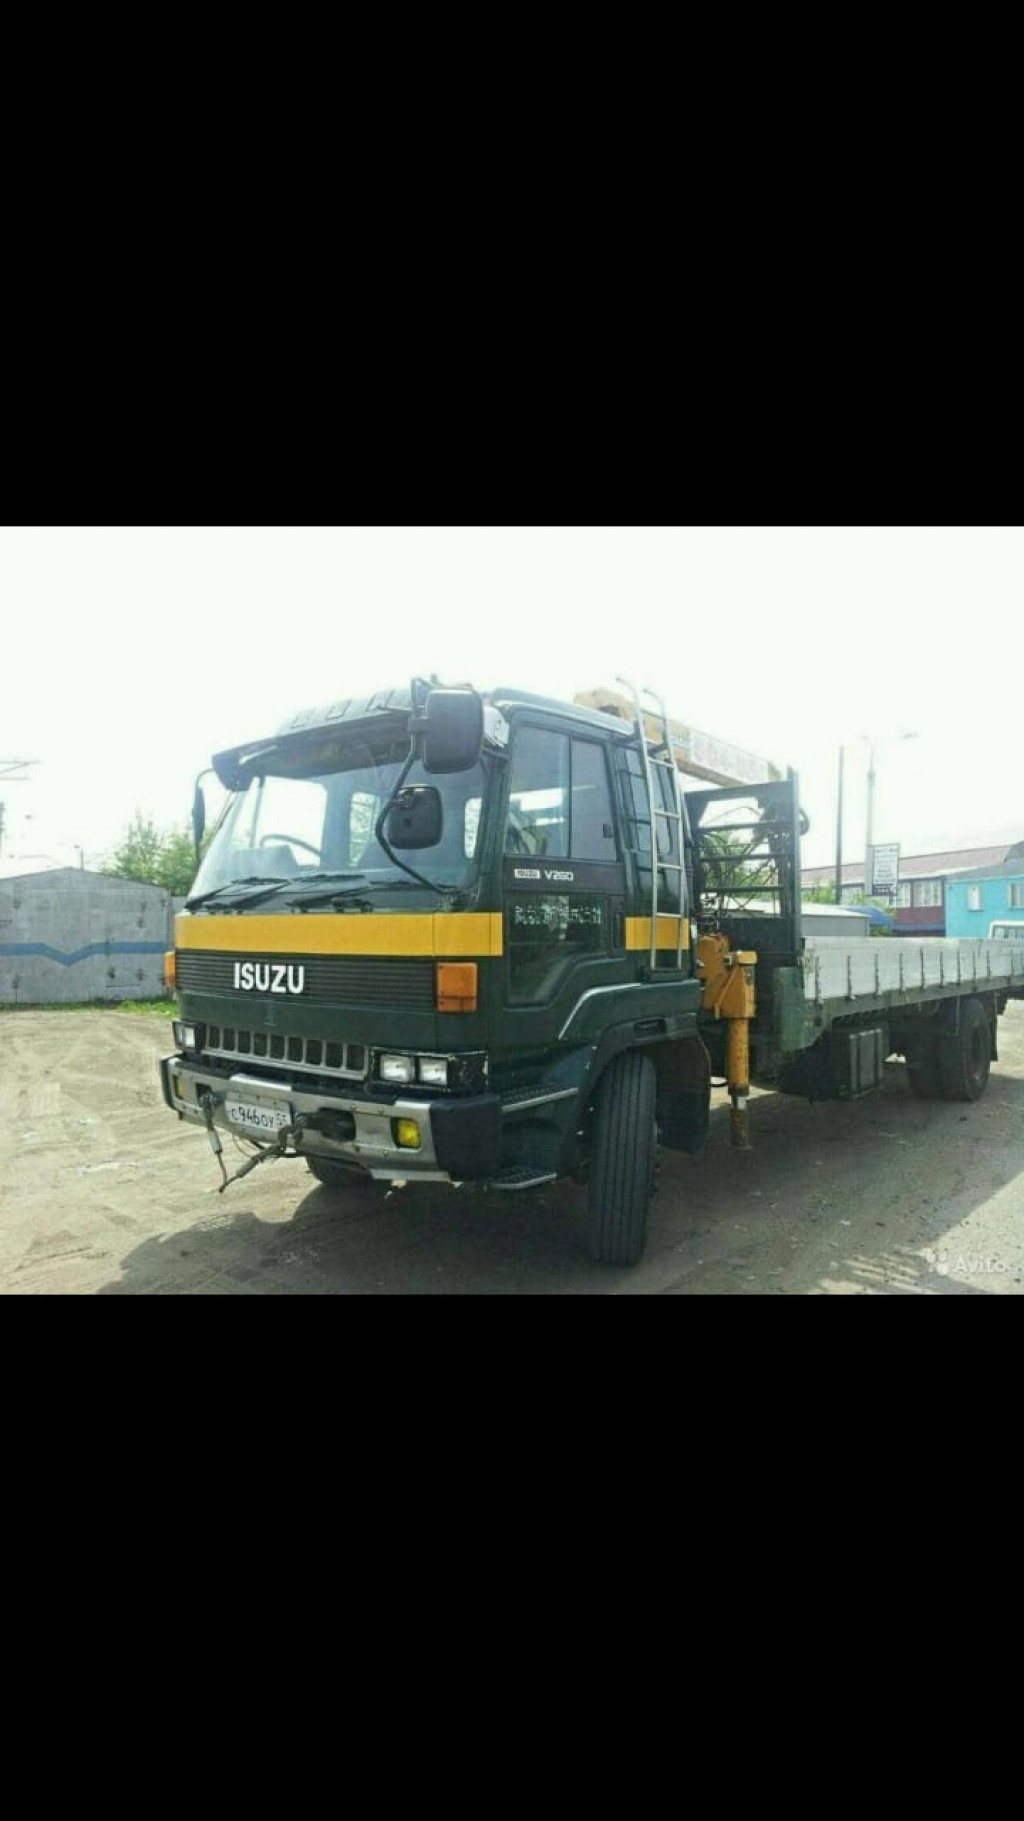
x: 103, y: 1191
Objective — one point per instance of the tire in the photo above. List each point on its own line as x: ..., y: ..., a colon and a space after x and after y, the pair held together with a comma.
x: 924, y: 1075
x: 965, y: 1053
x: 338, y: 1175
x: 622, y: 1161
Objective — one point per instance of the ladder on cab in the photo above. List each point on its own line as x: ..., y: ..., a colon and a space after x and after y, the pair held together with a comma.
x: 675, y: 816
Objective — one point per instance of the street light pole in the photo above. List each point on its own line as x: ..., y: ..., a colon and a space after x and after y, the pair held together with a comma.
x: 869, y: 833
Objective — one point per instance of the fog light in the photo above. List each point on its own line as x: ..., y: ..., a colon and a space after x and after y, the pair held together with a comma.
x: 178, y: 1086
x: 434, y: 1070
x: 406, y: 1134
x: 397, y: 1068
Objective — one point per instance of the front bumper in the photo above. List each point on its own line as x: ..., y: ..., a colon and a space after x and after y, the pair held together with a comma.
x: 460, y: 1139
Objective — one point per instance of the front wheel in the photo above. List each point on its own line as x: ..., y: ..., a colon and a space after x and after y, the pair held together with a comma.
x: 338, y: 1175
x: 622, y: 1161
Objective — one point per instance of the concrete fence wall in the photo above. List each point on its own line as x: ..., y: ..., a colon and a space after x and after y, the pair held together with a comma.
x: 70, y: 935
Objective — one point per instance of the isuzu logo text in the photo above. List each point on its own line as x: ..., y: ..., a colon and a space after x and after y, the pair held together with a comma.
x: 269, y: 977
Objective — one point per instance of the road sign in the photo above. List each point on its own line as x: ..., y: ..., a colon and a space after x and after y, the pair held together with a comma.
x: 885, y: 871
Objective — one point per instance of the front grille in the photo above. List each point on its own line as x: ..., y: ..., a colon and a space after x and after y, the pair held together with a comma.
x: 310, y: 1053
x: 328, y: 979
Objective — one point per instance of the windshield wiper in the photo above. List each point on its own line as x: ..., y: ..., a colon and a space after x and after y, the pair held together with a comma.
x: 274, y: 881
x: 359, y: 896
x: 302, y: 880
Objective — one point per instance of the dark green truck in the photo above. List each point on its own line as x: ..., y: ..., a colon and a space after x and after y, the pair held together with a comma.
x: 427, y: 942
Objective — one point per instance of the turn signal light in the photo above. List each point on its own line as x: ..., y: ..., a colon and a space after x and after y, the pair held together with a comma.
x: 406, y: 1134
x: 456, y: 986
x: 171, y: 970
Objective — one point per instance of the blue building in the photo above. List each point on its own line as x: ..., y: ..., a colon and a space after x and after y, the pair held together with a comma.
x: 989, y: 900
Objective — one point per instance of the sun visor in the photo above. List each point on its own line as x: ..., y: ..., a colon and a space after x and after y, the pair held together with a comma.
x: 234, y: 767
x: 237, y: 764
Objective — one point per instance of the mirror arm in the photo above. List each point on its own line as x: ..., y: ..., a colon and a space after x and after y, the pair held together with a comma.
x: 378, y: 827
x: 199, y: 809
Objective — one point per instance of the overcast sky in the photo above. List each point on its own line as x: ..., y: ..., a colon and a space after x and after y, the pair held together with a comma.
x: 129, y: 656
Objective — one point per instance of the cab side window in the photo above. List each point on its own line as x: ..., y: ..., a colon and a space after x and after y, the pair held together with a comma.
x: 559, y: 802
x: 593, y: 831
x: 638, y: 821
x: 538, y: 805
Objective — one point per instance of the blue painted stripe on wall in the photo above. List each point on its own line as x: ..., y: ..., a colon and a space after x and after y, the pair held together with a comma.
x: 67, y: 957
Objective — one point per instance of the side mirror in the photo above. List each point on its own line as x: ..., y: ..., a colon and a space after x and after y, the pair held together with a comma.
x: 416, y: 817
x: 453, y: 730
x: 198, y: 817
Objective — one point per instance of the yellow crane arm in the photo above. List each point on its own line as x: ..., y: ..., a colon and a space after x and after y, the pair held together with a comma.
x: 699, y: 754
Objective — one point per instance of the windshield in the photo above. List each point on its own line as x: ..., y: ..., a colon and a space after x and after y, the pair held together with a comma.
x: 312, y: 811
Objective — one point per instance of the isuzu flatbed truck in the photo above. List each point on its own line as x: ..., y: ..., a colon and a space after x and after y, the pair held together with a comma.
x: 492, y: 940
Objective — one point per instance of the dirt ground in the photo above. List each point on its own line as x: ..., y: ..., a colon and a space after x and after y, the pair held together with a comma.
x: 104, y: 1191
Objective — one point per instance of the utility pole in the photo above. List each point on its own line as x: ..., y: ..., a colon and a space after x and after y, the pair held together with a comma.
x: 839, y: 830
x: 869, y: 834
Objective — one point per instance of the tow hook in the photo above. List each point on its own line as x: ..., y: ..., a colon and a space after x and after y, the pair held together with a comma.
x: 288, y: 1134
x: 208, y: 1102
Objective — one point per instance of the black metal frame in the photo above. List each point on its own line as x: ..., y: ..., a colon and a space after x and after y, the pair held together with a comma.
x: 726, y: 887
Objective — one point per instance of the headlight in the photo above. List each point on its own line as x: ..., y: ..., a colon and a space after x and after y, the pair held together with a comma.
x: 397, y: 1068
x: 433, y: 1070
x: 187, y: 1036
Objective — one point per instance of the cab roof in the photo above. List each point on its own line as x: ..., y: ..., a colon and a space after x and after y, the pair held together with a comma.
x: 705, y: 757
x: 398, y: 701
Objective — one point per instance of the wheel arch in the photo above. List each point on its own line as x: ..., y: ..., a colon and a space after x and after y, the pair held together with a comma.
x: 682, y: 1070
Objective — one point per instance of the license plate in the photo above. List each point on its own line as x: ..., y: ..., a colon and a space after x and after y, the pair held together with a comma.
x: 255, y: 1118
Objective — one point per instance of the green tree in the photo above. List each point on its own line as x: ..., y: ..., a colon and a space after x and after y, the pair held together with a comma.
x: 178, y: 865
x: 139, y: 853
x: 735, y: 865
x: 153, y: 856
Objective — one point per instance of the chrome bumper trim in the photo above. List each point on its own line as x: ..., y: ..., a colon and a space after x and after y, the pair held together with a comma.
x: 373, y: 1147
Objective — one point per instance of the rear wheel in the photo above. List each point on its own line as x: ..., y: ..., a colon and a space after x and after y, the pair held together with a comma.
x: 965, y: 1053
x: 622, y: 1161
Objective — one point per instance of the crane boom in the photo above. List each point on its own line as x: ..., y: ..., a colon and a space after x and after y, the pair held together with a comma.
x: 701, y: 755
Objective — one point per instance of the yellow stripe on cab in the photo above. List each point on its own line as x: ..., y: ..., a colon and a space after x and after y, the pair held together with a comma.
x: 365, y: 933
x: 638, y: 932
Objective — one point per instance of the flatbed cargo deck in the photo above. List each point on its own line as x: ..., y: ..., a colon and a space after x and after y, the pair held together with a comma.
x: 872, y: 972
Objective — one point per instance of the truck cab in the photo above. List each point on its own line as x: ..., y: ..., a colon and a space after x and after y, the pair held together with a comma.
x: 403, y: 963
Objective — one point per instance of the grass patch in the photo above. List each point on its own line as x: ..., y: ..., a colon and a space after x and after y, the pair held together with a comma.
x: 155, y: 1008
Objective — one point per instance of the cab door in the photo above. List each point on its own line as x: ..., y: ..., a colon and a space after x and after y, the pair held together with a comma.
x: 564, y: 884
